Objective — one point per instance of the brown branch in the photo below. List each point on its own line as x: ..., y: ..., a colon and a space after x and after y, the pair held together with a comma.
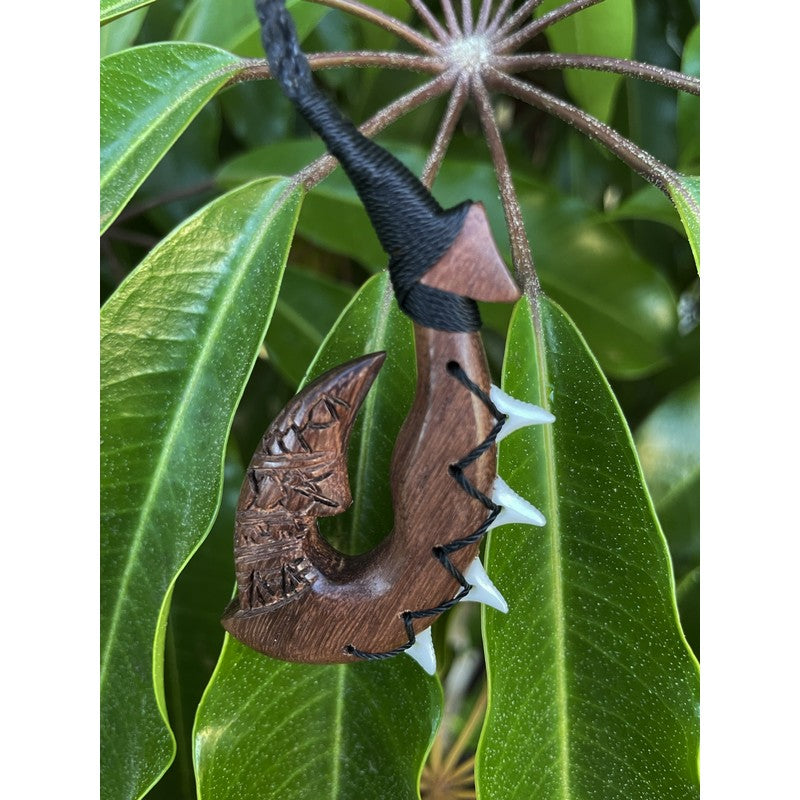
x: 255, y: 69
x: 622, y: 66
x: 455, y: 106
x: 499, y: 16
x: 466, y: 17
x: 518, y: 16
x: 427, y: 16
x: 520, y: 248
x: 650, y: 168
x: 450, y: 18
x: 483, y: 16
x: 385, y: 21
x: 317, y: 170
x: 527, y: 33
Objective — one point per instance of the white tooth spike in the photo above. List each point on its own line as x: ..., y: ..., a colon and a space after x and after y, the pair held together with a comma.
x: 520, y: 414
x: 422, y: 651
x: 513, y: 507
x: 483, y: 590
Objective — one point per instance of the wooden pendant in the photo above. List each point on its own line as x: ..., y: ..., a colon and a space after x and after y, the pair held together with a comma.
x: 301, y: 600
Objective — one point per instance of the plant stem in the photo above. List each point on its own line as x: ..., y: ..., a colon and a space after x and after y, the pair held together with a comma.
x: 483, y: 16
x: 446, y: 129
x: 520, y: 14
x: 427, y: 16
x: 534, y: 28
x: 499, y: 16
x: 520, y: 248
x: 258, y: 69
x: 317, y: 170
x: 466, y: 17
x: 450, y: 18
x: 385, y: 21
x: 650, y: 168
x: 622, y: 66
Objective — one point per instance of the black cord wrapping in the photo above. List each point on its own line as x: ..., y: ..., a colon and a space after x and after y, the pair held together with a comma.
x: 442, y: 552
x: 412, y: 227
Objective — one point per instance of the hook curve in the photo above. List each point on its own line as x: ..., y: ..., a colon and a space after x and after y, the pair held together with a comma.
x: 301, y: 600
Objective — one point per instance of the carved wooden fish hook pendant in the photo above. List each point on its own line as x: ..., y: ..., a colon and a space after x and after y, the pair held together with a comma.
x: 298, y: 598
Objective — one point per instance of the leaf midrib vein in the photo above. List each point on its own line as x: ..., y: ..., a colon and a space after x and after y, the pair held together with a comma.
x: 554, y: 529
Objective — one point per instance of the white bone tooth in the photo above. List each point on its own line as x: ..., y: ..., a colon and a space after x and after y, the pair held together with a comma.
x: 520, y: 414
x: 513, y: 507
x: 483, y: 590
x: 422, y: 651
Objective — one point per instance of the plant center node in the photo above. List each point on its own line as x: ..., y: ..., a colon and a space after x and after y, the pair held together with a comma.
x: 469, y: 54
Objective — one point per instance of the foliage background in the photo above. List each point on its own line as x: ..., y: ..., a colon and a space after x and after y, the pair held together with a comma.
x: 608, y: 248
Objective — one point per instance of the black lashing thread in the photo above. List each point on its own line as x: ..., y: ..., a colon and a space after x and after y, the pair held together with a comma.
x: 413, y: 229
x: 442, y: 552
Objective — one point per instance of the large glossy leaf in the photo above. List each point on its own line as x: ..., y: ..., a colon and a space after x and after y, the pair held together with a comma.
x: 685, y: 193
x: 668, y: 441
x: 148, y: 95
x: 233, y: 25
x: 267, y: 728
x: 593, y: 691
x: 179, y: 338
x: 194, y: 633
x: 111, y: 9
x: 606, y: 29
x: 623, y: 305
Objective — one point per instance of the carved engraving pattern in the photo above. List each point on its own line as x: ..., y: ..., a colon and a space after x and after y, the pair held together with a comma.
x: 294, y: 477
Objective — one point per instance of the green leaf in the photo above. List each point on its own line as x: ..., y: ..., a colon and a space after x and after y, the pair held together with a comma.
x: 234, y: 26
x: 111, y: 9
x: 339, y: 731
x: 668, y: 441
x: 593, y: 691
x: 122, y: 32
x: 307, y: 308
x: 148, y: 95
x: 648, y: 203
x: 689, y: 107
x: 178, y: 341
x: 194, y: 633
x: 606, y: 29
x: 685, y: 193
x: 622, y: 303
